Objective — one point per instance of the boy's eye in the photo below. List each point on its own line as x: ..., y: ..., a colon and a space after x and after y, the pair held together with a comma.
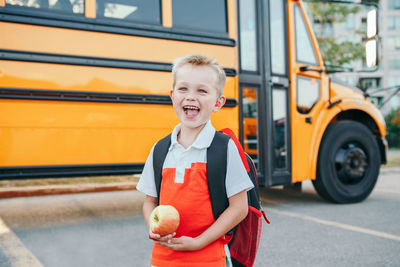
x: 202, y: 91
x: 182, y: 89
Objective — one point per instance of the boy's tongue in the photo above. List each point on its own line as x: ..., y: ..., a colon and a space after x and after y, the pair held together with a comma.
x: 192, y: 112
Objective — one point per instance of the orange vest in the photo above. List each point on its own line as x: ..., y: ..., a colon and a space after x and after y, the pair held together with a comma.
x: 191, y: 198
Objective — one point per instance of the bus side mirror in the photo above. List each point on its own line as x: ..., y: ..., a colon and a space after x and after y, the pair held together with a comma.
x: 371, y: 24
x: 371, y: 46
x: 371, y: 54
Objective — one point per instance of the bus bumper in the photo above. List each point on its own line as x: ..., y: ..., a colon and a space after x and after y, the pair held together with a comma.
x: 383, y: 147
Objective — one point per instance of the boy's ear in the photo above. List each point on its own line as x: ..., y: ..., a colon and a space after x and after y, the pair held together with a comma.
x: 170, y: 93
x: 220, y: 103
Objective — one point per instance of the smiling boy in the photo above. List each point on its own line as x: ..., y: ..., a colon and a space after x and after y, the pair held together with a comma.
x: 197, y: 93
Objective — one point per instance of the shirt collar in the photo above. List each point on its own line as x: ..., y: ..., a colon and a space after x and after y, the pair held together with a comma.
x: 202, y: 141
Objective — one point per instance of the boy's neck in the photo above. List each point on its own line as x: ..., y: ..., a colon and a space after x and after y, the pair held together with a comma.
x: 187, y: 136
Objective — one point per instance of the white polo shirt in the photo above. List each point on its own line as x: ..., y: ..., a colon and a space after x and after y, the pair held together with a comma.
x: 180, y: 159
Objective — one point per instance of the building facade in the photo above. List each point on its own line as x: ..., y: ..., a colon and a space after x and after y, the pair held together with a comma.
x: 390, y: 54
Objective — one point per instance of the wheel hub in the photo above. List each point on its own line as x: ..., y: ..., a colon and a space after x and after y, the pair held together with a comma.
x: 351, y: 164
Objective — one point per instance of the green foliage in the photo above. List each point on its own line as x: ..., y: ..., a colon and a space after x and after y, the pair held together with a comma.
x: 340, y: 53
x: 393, y: 128
x: 331, y: 12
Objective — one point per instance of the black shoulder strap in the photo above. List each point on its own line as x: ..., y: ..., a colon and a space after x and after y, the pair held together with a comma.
x: 216, y: 173
x: 159, y: 154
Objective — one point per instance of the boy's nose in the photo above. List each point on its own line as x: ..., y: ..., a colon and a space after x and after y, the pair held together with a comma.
x: 190, y: 96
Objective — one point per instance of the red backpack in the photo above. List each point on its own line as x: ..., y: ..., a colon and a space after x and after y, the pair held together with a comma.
x: 245, y: 237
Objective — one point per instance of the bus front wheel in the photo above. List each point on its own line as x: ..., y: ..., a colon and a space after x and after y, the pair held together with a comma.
x: 348, y: 163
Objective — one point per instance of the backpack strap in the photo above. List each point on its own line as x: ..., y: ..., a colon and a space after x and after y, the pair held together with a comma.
x: 216, y: 173
x: 159, y: 154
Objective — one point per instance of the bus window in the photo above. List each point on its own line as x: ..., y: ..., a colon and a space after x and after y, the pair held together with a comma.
x: 145, y: 11
x: 250, y: 118
x: 248, y: 35
x: 307, y: 93
x: 277, y: 29
x: 279, y: 113
x: 205, y: 15
x: 304, y: 49
x: 66, y: 6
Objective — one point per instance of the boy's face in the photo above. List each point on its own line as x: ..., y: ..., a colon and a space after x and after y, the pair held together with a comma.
x: 195, y: 96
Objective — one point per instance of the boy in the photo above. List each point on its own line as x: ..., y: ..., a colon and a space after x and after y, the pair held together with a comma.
x: 198, y: 83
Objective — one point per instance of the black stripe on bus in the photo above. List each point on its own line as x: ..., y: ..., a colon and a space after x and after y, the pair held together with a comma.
x: 22, y: 172
x: 64, y: 59
x: 53, y: 19
x: 57, y: 95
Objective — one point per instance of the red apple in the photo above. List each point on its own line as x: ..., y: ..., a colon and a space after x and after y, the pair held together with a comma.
x: 164, y: 220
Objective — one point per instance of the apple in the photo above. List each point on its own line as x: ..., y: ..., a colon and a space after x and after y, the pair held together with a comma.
x: 164, y: 220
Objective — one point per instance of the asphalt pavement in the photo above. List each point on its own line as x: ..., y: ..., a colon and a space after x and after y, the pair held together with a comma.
x: 107, y: 229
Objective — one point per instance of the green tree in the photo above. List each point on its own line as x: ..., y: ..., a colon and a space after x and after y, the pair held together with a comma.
x: 335, y: 52
x: 393, y: 128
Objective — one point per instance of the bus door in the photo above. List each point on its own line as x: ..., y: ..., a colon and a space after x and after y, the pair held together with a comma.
x: 277, y: 87
x: 251, y: 89
x: 307, y: 80
x: 264, y: 86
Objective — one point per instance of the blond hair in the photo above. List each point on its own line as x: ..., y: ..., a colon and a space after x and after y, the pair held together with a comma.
x: 201, y: 60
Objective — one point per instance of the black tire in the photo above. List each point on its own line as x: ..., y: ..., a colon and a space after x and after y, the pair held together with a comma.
x: 348, y: 163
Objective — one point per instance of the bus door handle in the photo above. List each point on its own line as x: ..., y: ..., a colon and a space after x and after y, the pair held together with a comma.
x: 277, y: 81
x: 308, y: 68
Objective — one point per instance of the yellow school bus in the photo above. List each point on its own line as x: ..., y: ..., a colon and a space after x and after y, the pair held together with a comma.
x: 84, y: 89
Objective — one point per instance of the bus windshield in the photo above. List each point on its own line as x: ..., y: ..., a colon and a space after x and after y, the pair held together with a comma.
x: 345, y: 34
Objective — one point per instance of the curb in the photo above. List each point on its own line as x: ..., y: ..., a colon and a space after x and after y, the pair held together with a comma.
x: 12, y: 192
x: 390, y: 170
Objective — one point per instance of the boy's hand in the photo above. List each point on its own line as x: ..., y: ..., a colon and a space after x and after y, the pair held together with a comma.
x: 158, y: 238
x: 183, y: 243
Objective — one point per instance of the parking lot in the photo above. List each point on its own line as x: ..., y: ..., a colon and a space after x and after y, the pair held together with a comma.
x: 106, y: 229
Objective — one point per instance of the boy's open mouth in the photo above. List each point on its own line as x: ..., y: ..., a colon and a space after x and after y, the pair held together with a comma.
x: 191, y: 110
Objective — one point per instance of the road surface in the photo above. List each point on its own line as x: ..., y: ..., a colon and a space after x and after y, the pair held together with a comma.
x: 106, y: 229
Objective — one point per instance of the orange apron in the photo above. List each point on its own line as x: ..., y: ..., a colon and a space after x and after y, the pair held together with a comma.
x: 191, y: 198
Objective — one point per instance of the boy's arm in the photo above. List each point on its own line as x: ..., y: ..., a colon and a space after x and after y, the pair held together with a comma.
x: 149, y: 205
x: 233, y: 215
